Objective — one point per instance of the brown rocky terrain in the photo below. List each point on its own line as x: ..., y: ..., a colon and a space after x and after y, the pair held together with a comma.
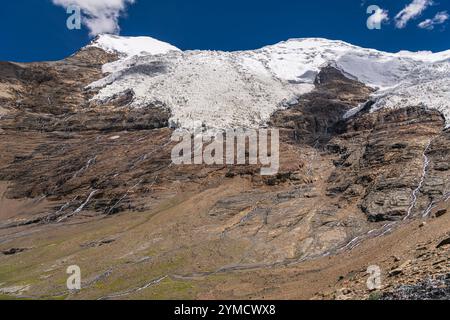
x: 93, y: 185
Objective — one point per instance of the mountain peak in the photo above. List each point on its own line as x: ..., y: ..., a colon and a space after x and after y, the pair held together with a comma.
x: 131, y: 46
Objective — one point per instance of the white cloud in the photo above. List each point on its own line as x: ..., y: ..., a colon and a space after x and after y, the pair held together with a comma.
x: 99, y: 16
x: 411, y: 11
x: 439, y: 18
x: 378, y: 17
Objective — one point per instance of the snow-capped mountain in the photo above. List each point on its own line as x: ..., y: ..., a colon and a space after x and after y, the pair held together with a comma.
x: 218, y: 89
x: 98, y: 179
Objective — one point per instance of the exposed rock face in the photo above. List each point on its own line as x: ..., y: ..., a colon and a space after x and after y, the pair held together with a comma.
x: 341, y: 182
x: 318, y: 116
x: 387, y: 158
x: 54, y: 138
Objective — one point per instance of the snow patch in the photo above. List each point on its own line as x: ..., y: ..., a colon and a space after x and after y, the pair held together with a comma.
x: 132, y: 46
x: 219, y: 90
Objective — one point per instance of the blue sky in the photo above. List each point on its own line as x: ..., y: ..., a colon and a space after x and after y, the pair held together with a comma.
x: 34, y: 30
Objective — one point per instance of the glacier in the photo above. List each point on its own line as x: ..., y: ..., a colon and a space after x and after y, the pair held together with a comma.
x: 242, y: 89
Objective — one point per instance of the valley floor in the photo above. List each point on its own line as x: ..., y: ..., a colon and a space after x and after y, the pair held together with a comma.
x: 136, y: 256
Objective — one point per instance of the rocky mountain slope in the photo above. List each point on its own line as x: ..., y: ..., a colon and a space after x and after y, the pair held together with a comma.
x: 87, y: 178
